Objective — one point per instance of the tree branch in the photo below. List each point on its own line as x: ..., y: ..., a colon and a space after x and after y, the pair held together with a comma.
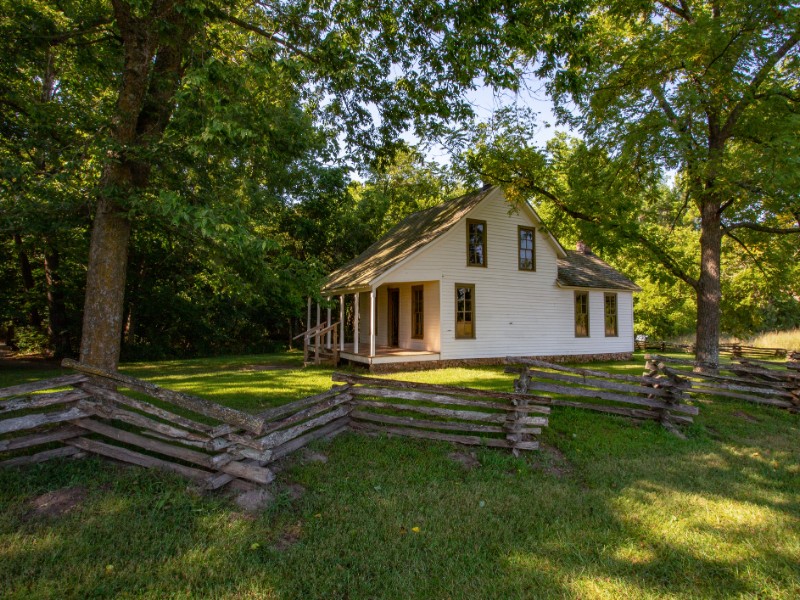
x: 755, y: 260
x: 682, y: 11
x: 262, y: 32
x: 758, y: 79
x: 759, y: 227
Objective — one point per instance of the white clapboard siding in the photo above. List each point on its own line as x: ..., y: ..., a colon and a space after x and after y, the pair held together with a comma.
x: 516, y: 312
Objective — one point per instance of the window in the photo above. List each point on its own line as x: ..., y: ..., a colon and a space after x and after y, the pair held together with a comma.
x: 611, y: 315
x: 476, y: 243
x: 417, y: 313
x: 581, y: 314
x: 527, y: 249
x: 465, y: 311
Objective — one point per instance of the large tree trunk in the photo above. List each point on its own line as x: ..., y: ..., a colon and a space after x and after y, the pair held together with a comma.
x: 105, y: 287
x: 58, y: 327
x: 150, y: 77
x: 709, y: 290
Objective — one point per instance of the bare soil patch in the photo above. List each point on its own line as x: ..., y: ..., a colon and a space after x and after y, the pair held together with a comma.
x: 468, y: 460
x: 747, y: 417
x: 553, y: 461
x: 56, y: 503
x: 289, y: 537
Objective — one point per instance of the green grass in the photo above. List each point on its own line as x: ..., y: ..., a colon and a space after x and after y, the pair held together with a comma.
x: 621, y: 510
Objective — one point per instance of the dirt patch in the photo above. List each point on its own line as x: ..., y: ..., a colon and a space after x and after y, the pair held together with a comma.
x: 468, y: 460
x: 289, y: 537
x: 747, y: 417
x: 310, y: 456
x: 267, y: 368
x: 253, y: 501
x: 295, y: 491
x: 56, y: 503
x: 553, y: 461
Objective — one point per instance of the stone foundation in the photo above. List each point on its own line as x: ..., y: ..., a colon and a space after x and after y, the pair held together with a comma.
x: 481, y: 362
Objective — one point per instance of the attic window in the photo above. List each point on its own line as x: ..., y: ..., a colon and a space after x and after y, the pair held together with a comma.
x: 476, y: 243
x: 527, y: 249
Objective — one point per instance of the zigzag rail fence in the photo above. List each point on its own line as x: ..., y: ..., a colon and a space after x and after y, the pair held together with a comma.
x: 748, y: 379
x: 217, y: 446
x: 657, y: 395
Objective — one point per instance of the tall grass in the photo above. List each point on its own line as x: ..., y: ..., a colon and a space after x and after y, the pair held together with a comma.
x: 789, y: 339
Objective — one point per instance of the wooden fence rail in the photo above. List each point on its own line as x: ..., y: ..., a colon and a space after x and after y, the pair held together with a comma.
x: 748, y: 379
x: 655, y: 395
x: 216, y: 445
x: 461, y: 415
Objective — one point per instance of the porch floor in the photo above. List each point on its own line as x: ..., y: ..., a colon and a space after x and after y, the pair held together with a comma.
x: 385, y: 354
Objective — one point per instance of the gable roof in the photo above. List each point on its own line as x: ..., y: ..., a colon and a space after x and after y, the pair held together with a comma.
x: 405, y: 238
x: 586, y: 270
x: 575, y: 269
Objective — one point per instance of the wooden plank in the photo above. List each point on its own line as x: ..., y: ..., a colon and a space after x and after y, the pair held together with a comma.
x: 767, y: 373
x: 132, y: 418
x: 45, y: 384
x: 464, y: 415
x: 728, y: 378
x: 136, y: 458
x: 193, y: 403
x: 730, y: 387
x: 281, y: 437
x: 323, y: 406
x: 361, y: 415
x: 738, y: 396
x: 469, y: 440
x: 37, y: 439
x: 436, y: 398
x: 331, y: 429
x: 41, y: 400
x: 666, y: 389
x: 145, y: 407
x: 636, y: 413
x: 584, y: 372
x: 224, y: 462
x: 277, y: 412
x: 38, y: 419
x: 20, y: 461
x: 458, y: 392
x: 600, y: 395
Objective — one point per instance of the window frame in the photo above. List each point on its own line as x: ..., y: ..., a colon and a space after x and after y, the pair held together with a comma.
x: 606, y: 297
x: 484, y: 238
x: 577, y: 296
x: 417, y: 312
x: 471, y: 288
x: 532, y: 230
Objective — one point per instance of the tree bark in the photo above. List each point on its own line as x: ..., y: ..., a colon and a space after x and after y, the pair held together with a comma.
x: 709, y: 289
x: 58, y: 328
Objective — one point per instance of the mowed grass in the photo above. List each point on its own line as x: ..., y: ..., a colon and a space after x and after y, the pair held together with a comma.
x: 609, y: 509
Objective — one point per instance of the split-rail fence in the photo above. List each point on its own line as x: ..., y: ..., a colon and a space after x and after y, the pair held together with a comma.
x: 655, y: 395
x: 214, y: 445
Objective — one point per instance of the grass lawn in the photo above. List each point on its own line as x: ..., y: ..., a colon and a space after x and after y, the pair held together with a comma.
x: 609, y: 509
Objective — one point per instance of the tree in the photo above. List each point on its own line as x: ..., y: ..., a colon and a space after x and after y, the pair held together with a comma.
x: 706, y: 89
x: 406, y: 61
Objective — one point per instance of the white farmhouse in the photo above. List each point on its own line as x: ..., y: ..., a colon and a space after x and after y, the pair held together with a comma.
x: 472, y: 281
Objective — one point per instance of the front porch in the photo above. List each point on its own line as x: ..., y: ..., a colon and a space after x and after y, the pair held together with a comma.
x: 386, y: 355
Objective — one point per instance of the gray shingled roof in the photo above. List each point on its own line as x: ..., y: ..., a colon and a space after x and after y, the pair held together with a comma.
x: 588, y: 271
x: 405, y: 238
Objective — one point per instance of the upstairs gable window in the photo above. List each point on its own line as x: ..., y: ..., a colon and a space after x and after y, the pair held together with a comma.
x: 527, y: 249
x: 476, y: 243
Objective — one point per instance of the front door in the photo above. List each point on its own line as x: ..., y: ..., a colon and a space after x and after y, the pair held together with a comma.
x: 394, y: 317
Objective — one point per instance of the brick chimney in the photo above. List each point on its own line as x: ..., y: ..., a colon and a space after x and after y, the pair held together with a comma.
x: 582, y: 247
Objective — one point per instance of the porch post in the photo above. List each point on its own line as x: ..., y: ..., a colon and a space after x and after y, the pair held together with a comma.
x: 308, y: 315
x: 328, y: 336
x: 341, y: 323
x: 372, y: 322
x: 319, y: 314
x: 355, y: 322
